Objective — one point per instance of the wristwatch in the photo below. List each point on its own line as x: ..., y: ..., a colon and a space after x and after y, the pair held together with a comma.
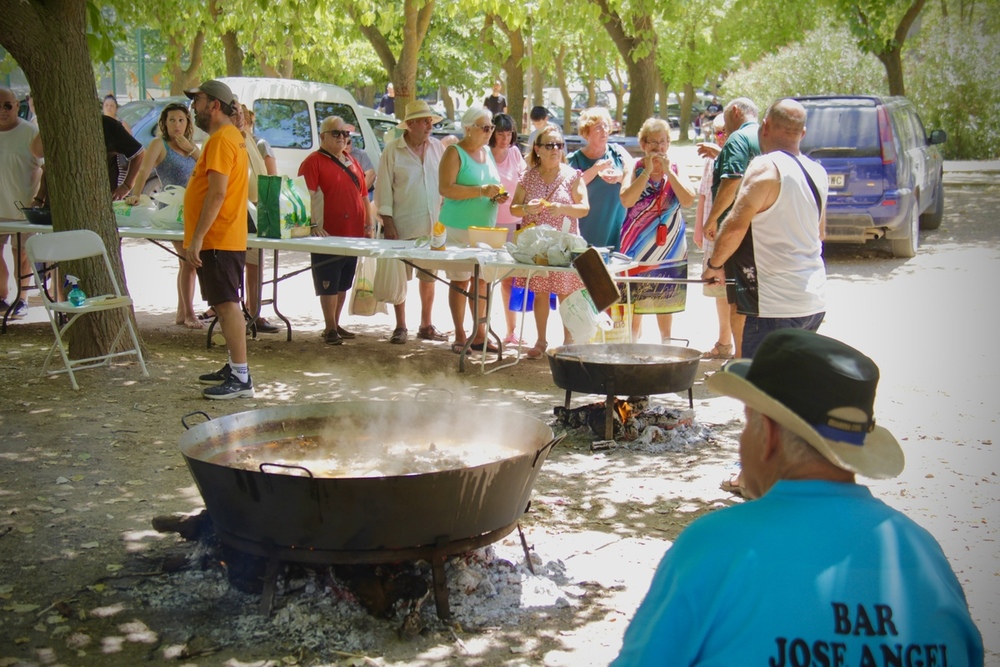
x: 708, y: 263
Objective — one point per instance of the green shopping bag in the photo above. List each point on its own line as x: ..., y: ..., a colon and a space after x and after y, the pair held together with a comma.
x: 269, y: 207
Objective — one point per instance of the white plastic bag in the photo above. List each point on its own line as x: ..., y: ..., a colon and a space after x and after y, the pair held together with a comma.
x: 127, y: 215
x: 171, y: 216
x: 363, y: 301
x: 390, y: 281
x: 580, y: 316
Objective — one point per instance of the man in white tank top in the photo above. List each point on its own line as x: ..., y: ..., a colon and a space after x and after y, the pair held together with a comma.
x: 774, y: 234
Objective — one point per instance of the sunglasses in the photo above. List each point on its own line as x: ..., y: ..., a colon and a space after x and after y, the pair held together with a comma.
x: 486, y: 128
x: 554, y: 146
x: 339, y: 133
x: 7, y: 105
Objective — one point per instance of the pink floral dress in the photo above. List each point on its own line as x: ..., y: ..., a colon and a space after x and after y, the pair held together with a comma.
x: 560, y: 191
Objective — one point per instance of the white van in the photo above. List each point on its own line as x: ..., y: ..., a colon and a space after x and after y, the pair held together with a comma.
x: 288, y: 114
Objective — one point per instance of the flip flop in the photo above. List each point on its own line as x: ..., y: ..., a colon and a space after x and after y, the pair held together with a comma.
x: 490, y: 347
x: 734, y: 485
x: 457, y: 347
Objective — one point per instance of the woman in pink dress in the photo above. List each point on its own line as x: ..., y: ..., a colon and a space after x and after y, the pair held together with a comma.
x: 511, y: 165
x: 550, y: 193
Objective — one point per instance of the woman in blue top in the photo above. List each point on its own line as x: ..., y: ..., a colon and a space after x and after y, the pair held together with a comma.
x: 469, y: 182
x: 603, y: 166
x: 173, y: 155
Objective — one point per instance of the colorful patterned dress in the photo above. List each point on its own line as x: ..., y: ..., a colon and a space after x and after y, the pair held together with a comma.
x: 657, y: 206
x: 560, y: 191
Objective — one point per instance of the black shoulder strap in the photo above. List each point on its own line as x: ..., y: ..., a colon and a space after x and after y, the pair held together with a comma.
x: 343, y: 166
x: 812, y: 184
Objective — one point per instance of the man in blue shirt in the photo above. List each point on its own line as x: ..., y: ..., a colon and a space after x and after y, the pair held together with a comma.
x: 816, y: 571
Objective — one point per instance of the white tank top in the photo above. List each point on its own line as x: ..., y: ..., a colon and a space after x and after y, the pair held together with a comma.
x: 787, y: 249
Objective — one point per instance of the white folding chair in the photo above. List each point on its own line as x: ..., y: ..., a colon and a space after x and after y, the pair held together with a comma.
x: 80, y: 244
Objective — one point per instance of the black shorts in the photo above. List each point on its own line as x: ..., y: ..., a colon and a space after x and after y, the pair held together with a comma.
x: 221, y: 275
x: 332, y: 274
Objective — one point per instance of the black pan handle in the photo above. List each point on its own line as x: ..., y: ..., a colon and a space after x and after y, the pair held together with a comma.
x: 192, y: 414
x: 548, y: 445
x: 282, y: 465
x: 687, y: 343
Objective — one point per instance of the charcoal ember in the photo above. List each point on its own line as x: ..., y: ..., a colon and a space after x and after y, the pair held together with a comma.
x: 638, y: 403
x: 244, y: 571
x: 574, y: 417
x: 379, y: 587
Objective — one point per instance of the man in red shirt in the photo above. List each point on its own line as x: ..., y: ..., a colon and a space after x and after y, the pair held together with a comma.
x: 339, y: 208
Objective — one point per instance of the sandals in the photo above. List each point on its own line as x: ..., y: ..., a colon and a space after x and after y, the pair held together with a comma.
x: 475, y: 347
x: 431, y: 332
x: 720, y: 351
x: 734, y: 485
x: 537, y: 351
x: 398, y: 336
x: 512, y: 339
x: 490, y: 347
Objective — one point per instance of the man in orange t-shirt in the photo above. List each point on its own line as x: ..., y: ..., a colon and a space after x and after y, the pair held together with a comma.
x: 215, y: 230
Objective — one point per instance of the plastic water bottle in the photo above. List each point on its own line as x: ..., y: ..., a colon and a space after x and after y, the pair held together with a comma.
x: 76, y: 295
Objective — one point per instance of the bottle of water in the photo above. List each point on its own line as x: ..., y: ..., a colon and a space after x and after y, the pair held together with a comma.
x: 76, y: 295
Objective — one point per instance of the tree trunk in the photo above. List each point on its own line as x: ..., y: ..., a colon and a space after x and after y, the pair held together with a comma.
x: 513, y: 67
x: 537, y: 87
x: 48, y: 41
x: 182, y: 79
x: 449, y: 103
x: 403, y: 70
x: 564, y: 89
x: 686, y: 102
x: 618, y: 88
x: 893, y: 64
x: 662, y: 95
x: 643, y: 74
x: 234, y: 54
x: 230, y: 44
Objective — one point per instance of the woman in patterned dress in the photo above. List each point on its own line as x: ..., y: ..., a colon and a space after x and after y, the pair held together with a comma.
x: 550, y: 193
x: 654, y: 191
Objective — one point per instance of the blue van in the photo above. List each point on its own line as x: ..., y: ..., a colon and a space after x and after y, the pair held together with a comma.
x: 885, y: 171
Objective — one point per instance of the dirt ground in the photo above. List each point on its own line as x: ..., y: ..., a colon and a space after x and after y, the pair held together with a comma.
x: 82, y: 474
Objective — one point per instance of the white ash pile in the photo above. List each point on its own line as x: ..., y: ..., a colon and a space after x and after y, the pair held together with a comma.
x: 322, y: 609
x: 638, y: 425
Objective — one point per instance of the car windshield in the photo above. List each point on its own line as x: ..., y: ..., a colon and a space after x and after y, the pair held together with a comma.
x: 836, y: 128
x: 133, y: 112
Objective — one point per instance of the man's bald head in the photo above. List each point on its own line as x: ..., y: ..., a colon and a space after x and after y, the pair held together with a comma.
x: 783, y: 127
x: 7, y: 95
x: 787, y: 115
x: 8, y: 109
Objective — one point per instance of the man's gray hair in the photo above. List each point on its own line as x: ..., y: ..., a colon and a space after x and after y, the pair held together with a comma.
x: 745, y: 105
x: 796, y: 450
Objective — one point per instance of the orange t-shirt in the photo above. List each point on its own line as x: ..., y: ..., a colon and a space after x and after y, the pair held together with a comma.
x: 225, y: 153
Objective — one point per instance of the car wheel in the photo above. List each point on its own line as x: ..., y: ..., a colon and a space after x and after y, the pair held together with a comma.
x: 907, y: 246
x: 932, y: 218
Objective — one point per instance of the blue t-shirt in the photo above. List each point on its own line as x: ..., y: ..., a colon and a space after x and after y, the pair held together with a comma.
x: 814, y: 572
x: 602, y: 227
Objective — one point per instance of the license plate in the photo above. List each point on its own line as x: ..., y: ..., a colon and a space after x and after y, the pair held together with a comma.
x: 836, y: 180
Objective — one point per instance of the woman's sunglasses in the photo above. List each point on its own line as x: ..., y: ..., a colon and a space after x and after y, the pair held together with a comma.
x: 553, y: 146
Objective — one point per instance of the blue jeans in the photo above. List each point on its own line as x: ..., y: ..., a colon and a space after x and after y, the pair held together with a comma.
x: 757, y: 328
